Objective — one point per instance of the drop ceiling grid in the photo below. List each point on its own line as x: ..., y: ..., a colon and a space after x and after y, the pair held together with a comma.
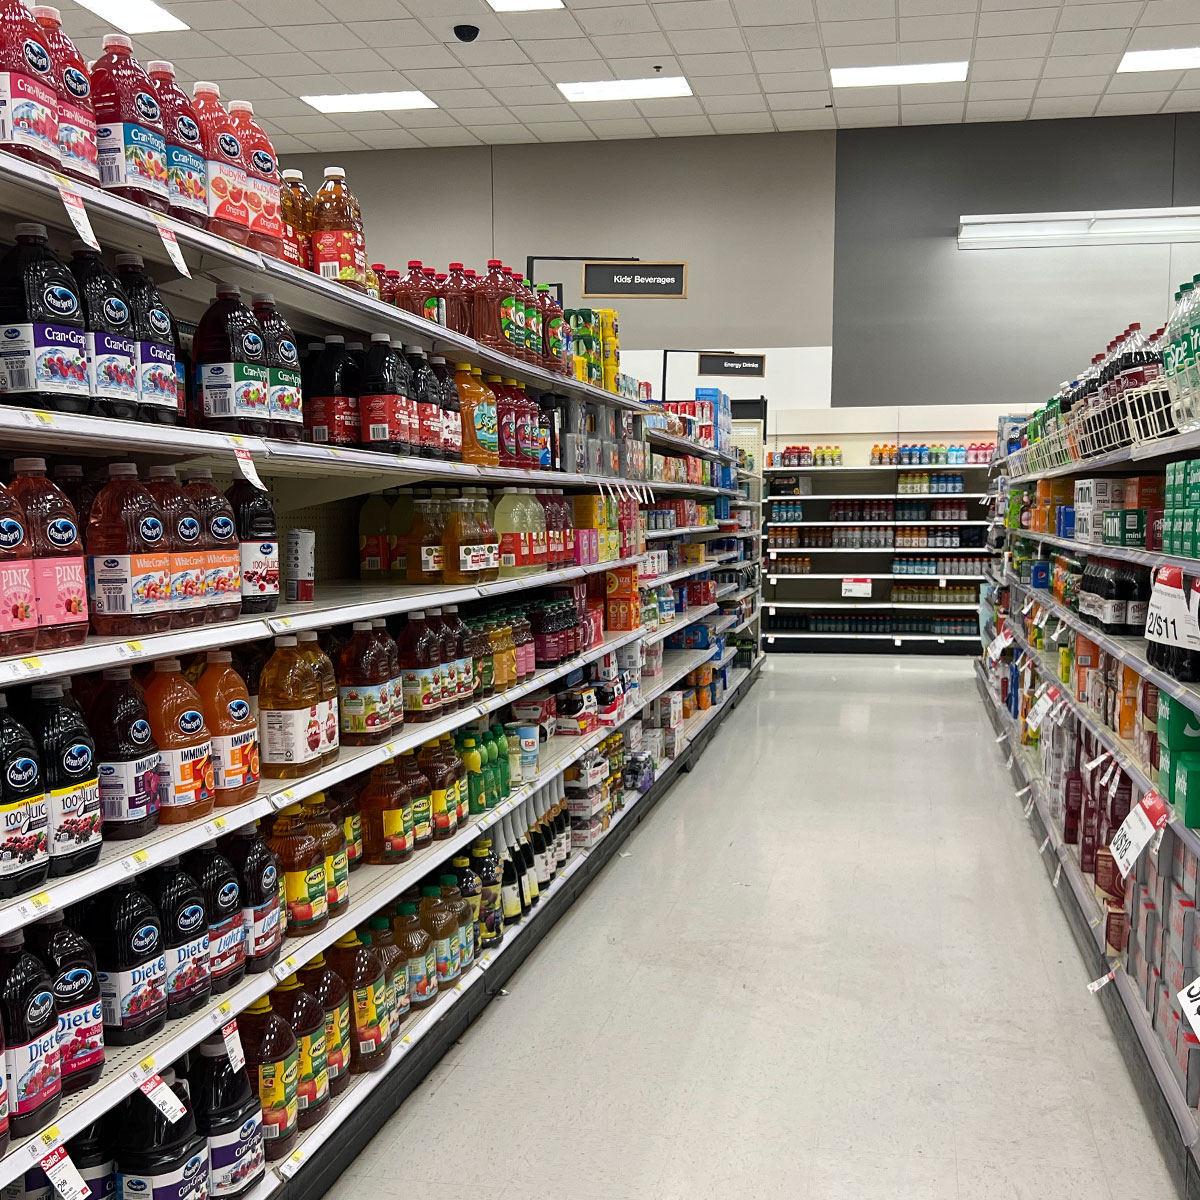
x: 754, y: 65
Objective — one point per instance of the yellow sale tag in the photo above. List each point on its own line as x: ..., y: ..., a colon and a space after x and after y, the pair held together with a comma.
x: 32, y: 662
x: 291, y: 963
x: 236, y: 440
x: 407, y: 1041
x: 218, y: 822
x: 136, y: 647
x: 50, y: 1136
x: 140, y: 856
x: 45, y: 417
x: 147, y: 1063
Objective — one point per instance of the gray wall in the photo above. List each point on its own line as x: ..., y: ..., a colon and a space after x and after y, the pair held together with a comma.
x: 751, y: 215
x: 918, y: 321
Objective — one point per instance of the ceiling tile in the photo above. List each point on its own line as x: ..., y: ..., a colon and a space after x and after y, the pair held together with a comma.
x: 781, y: 37
x: 931, y: 114
x: 1145, y: 81
x: 714, y: 64
x: 725, y: 85
x: 773, y: 12
x: 341, y: 61
x: 419, y: 118
x: 178, y: 45
x: 852, y: 117
x: 997, y: 110
x: 884, y: 54
x: 930, y: 8
x: 706, y: 41
x: 304, y: 85
x: 220, y: 14
x: 420, y: 58
x: 441, y: 77
x: 1100, y: 16
x: 865, y: 97
x: 1015, y: 46
x: 605, y: 110
x: 644, y: 68
x: 392, y: 33
x: 358, y: 121
x: 576, y: 71
x: 523, y: 75
x: 389, y: 139
x: 525, y: 113
x: 680, y: 106
x: 1169, y: 12
x: 559, y: 50
x: 483, y: 116
x: 373, y: 81
x: 626, y: 45
x: 256, y: 88
x: 795, y: 81
x: 933, y: 93
x: 1190, y: 80
x: 1017, y: 21
x: 1165, y: 37
x: 541, y: 94
x: 854, y: 10
x: 1004, y: 89
x: 561, y: 131
x: 285, y: 13
x: 1089, y: 41
x: 1007, y: 68
x: 371, y: 10
x: 289, y: 145
x: 461, y: 97
x: 1075, y: 85
x: 1183, y: 101
x: 1081, y: 64
x: 923, y: 29
x: 455, y: 136
x: 769, y: 61
x: 790, y: 101
x: 812, y: 118
x: 857, y: 33
x: 734, y: 104
x: 311, y: 37
x: 951, y: 50
x: 743, y: 123
x: 1131, y: 102
x: 694, y: 14
x: 680, y: 126
x: 501, y: 52
x: 282, y: 65
x: 558, y: 23
x: 288, y: 107
x: 631, y: 128
x: 313, y: 122
x: 625, y: 18
x: 504, y: 134
x: 992, y: 5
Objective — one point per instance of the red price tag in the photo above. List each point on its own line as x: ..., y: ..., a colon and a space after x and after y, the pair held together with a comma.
x: 63, y: 1173
x: 162, y: 1097
x: 79, y: 218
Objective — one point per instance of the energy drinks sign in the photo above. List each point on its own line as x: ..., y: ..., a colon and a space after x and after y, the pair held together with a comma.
x: 1171, y: 616
x: 624, y: 278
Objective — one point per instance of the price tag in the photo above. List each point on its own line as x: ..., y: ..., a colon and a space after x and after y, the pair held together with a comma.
x: 292, y: 1163
x: 1107, y: 776
x: 284, y: 798
x: 287, y: 967
x: 30, y: 908
x: 162, y: 1097
x: 1001, y: 738
x: 1044, y: 845
x: 1037, y: 713
x: 249, y: 472
x: 1011, y: 759
x: 857, y: 587
x: 64, y: 1175
x: 47, y: 1138
x: 1024, y: 791
x: 1041, y: 619
x: 1148, y: 815
x: 32, y: 663
x: 216, y: 826
x: 1189, y: 1002
x: 171, y: 245
x: 1104, y: 980
x: 1029, y: 808
x: 999, y: 643
x: 233, y: 1045
x: 74, y: 205
x: 1060, y: 712
x: 1027, y: 606
x: 131, y: 864
x: 1059, y: 631
x: 1091, y: 766
x: 1057, y: 874
x: 134, y: 647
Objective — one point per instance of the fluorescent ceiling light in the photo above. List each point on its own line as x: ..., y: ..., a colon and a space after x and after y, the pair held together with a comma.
x: 524, y: 5
x: 134, y: 16
x: 368, y: 102
x: 942, y: 72
x: 1111, y: 227
x: 660, y: 88
x: 1160, y: 60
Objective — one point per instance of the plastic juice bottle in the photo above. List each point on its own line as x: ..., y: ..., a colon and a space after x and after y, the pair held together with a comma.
x: 154, y: 1155
x: 459, y: 565
x: 301, y: 859
x: 373, y: 553
x: 553, y: 358
x: 512, y: 315
x: 471, y: 888
x: 451, y: 758
x: 448, y: 639
x: 412, y: 290
x: 91, y: 1152
x: 186, y: 783
x: 458, y: 299
x: 154, y: 328
x: 427, y: 442
x: 229, y: 1118
x: 327, y: 709
x: 435, y: 302
x: 225, y: 703
x: 187, y: 557
x: 130, y: 139
x: 420, y: 653
x: 81, y: 492
x: 262, y: 180
x: 395, y: 675
x: 258, y: 546
x: 462, y: 663
x: 488, y: 293
x: 421, y: 793
x: 289, y: 693
x: 443, y: 790
x: 296, y: 209
x: 327, y: 988
x: 43, y: 363
x: 180, y: 903
x: 29, y: 126
x: 487, y: 539
x: 378, y: 410
x: 187, y: 174
x: 126, y: 932
x: 452, y: 427
x: 223, y: 908
x: 506, y: 422
x: 405, y: 418
x: 424, y: 559
x: 361, y: 969
x: 218, y: 535
x: 127, y: 757
x: 18, y: 614
x: 363, y: 679
x: 320, y: 823
x: 416, y: 948
x: 331, y: 412
x: 23, y: 852
x: 303, y: 1012
x: 225, y: 165
x: 486, y: 867
x: 344, y: 797
x: 230, y: 361
x: 338, y: 246
x: 108, y: 337
x: 285, y: 405
x: 387, y: 817
x: 395, y: 969
x: 273, y: 1065
x: 440, y: 922
x: 492, y: 430
x: 452, y: 895
x: 32, y: 1067
x: 258, y: 885
x: 400, y: 520
x: 474, y: 416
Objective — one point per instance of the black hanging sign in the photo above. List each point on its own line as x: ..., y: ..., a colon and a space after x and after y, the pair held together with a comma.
x: 732, y: 364
x: 608, y: 280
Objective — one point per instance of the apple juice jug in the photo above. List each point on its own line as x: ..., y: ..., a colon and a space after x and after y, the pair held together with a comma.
x: 158, y: 1157
x: 387, y: 817
x: 159, y: 398
x: 285, y: 406
x: 303, y: 1012
x: 364, y: 684
x: 420, y: 651
x: 262, y: 180
x: 108, y: 335
x: 258, y: 878
x: 229, y: 1118
x: 452, y: 894
x: 187, y: 174
x: 73, y: 86
x: 129, y: 564
x: 295, y: 207
x: 23, y: 853
x: 289, y: 694
x: 127, y: 757
x: 258, y: 546
x: 224, y: 163
x: 225, y: 703
x: 439, y: 920
x: 186, y: 784
x: 330, y: 992
x: 126, y: 932
x: 416, y: 947
x: 189, y: 564
x: 230, y: 364
x: 130, y: 141
x: 344, y: 797
x: 29, y: 125
x: 180, y: 903
x: 320, y: 823
x: 301, y: 858
x: 32, y: 1066
x: 218, y: 531
x: 223, y: 907
x: 273, y: 1065
x: 395, y: 969
x: 338, y: 247
x: 443, y: 790
x: 18, y: 613
x: 361, y: 970
x: 328, y: 717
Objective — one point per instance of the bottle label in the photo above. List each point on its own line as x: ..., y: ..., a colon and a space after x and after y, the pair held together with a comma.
x: 313, y: 1086
x: 80, y: 1032
x: 418, y: 979
x: 431, y: 559
x: 187, y: 180
x: 337, y: 1040
x: 352, y: 830
x: 372, y: 1024
x: 554, y: 337
x: 74, y: 816
x: 429, y: 310
x: 363, y: 708
x: 484, y: 419
x: 401, y: 1005
x: 136, y: 585
x: 284, y: 401
x: 158, y: 380
x: 43, y: 358
x: 188, y: 574
x: 490, y: 912
x: 449, y: 671
x: 372, y: 552
x: 60, y: 591
x: 340, y: 254
x: 259, y: 568
x: 112, y: 366
x: 402, y: 420
x: 297, y: 248
x: 235, y: 1157
x: 277, y: 1094
x: 533, y: 330
x: 235, y: 759
x: 422, y: 688
x: 452, y: 430
x: 132, y: 156
x: 446, y: 957
x: 261, y: 926
x: 1111, y: 612
x: 396, y: 831
x: 222, y: 573
x: 32, y: 1070
x: 28, y: 113
x: 508, y: 434
x: 187, y: 966
x: 129, y: 789
x: 100, y: 1180
x: 444, y: 807
x: 398, y: 554
x: 375, y: 417
x: 131, y: 998
x: 332, y: 419
x: 510, y: 897
x: 491, y: 554
x: 23, y: 826
x: 509, y: 329
x: 188, y: 1182
x: 337, y: 877
x: 262, y: 199
x: 289, y: 735
x: 422, y: 826
x: 307, y: 896
x: 185, y: 775
x: 429, y: 425
x: 233, y: 390
x: 227, y: 945
x: 18, y: 613
x: 227, y: 187
x: 511, y: 549
x: 463, y: 677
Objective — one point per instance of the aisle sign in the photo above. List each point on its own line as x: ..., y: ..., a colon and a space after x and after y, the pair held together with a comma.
x: 856, y: 587
x: 731, y: 364
x: 607, y: 279
x: 1171, y: 613
x: 1150, y: 813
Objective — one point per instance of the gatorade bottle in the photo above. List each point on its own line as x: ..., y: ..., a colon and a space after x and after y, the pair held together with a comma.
x: 29, y: 127
x: 262, y: 180
x: 185, y: 549
x: 230, y: 363
x: 131, y: 147
x: 185, y: 770
x: 187, y: 175
x: 127, y: 757
x: 18, y: 614
x: 180, y: 903
x: 258, y: 883
x: 218, y: 531
x: 23, y: 857
x: 32, y: 1067
x: 159, y: 399
x: 126, y: 932
x: 229, y: 1118
x: 158, y: 1157
x: 108, y: 335
x: 258, y: 546
x: 43, y: 359
x: 285, y: 409
x: 225, y: 164
x: 225, y: 703
x: 223, y: 906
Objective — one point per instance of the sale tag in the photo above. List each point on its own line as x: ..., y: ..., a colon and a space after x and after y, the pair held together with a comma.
x: 233, y: 1045
x: 999, y: 643
x: 1189, y: 1002
x: 1057, y: 874
x: 1091, y: 766
x: 1148, y: 815
x: 1029, y: 808
x: 1169, y: 616
x: 1041, y: 619
x: 1036, y: 714
x: 135, y: 862
x: 857, y: 587
x: 1108, y: 775
x: 1060, y: 631
x: 64, y: 1175
x: 1042, y: 847
x: 162, y: 1097
x: 1024, y: 791
x: 1001, y: 738
x: 78, y: 214
x: 1104, y: 980
x: 1026, y: 607
x: 246, y: 466
x: 171, y: 245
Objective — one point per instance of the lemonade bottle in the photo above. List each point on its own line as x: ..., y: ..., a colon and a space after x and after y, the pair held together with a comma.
x: 225, y: 703
x: 262, y: 180
x: 296, y: 209
x: 186, y: 783
x: 338, y: 246
x: 187, y: 175
x: 225, y: 163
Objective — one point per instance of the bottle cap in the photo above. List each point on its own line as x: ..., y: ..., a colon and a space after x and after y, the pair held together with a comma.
x: 449, y: 880
x: 307, y: 635
x: 414, y: 350
x: 334, y: 339
x: 117, y: 41
x: 117, y: 673
x: 335, y: 173
x: 30, y: 229
x: 194, y: 473
x: 241, y: 106
x: 160, y: 66
x: 431, y: 891
x: 162, y: 471
x: 45, y: 691
x: 262, y: 298
x: 41, y: 11
x: 29, y: 464
x: 167, y: 664
x: 68, y: 471
x: 218, y: 656
x: 119, y: 470
x: 291, y: 173
x: 461, y: 367
x: 286, y: 640
x: 494, y: 262
x: 378, y: 623
x: 434, y: 612
x: 417, y: 614
x: 379, y: 923
x: 360, y: 626
x: 201, y: 85
x: 381, y: 337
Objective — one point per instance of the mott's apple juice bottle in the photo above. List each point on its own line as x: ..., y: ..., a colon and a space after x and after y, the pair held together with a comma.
x: 59, y: 584
x: 32, y: 1066
x: 338, y: 247
x: 296, y: 209
x: 230, y: 359
x: 185, y: 547
x: 132, y: 150
x: 301, y: 1010
x: 273, y: 1064
x: 126, y: 931
x: 127, y: 757
x: 23, y: 856
x: 285, y: 409
x: 108, y: 335
x: 301, y: 859
x: 329, y: 990
x: 225, y: 164
x: 18, y: 609
x: 262, y: 180
x: 28, y: 102
x: 73, y: 85
x: 186, y: 787
x: 187, y: 175
x: 362, y: 970
x: 43, y: 358
x: 159, y: 399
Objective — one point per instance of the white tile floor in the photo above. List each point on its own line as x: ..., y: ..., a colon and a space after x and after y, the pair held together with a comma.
x: 831, y: 966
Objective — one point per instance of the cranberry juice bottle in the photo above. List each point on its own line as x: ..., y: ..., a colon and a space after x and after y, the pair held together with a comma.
x: 258, y: 545
x: 126, y: 931
x: 32, y: 1067
x: 29, y: 120
x: 262, y: 180
x: 76, y: 118
x: 285, y: 409
x: 127, y: 757
x: 378, y: 408
x: 258, y: 882
x: 108, y: 335
x: 18, y: 613
x: 187, y: 175
x: 180, y: 903
x: 223, y: 905
x: 225, y: 164
x: 230, y: 361
x: 159, y: 398
x: 229, y: 1117
x: 218, y: 531
x: 23, y: 857
x: 331, y: 413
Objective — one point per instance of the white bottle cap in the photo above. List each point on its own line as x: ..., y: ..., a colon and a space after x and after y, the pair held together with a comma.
x: 167, y: 664
x: 292, y: 173
x: 219, y: 656
x: 117, y: 39
x: 161, y: 67
x: 122, y: 470
x: 193, y: 473
x: 335, y: 173
x: 201, y: 85
x: 43, y: 691
x: 241, y: 106
x: 117, y: 673
x: 307, y: 635
x: 29, y: 464
x: 262, y: 298
x: 362, y: 625
x: 286, y: 640
x: 382, y: 337
x: 334, y: 339
x: 162, y: 471
x: 29, y: 229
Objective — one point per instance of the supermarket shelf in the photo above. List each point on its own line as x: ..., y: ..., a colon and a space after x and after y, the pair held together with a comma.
x: 879, y: 637
x: 859, y: 524
x: 725, y: 589
x: 683, y: 445
x: 1161, y: 448
x: 723, y: 624
x: 750, y: 591
x: 748, y: 533
x: 1149, y: 558
x: 842, y: 575
x: 681, y: 573
x: 744, y: 503
x: 725, y: 658
x: 676, y: 664
x: 920, y: 551
x: 747, y: 622
x: 888, y: 604
x: 653, y: 534
x: 881, y: 467
x: 744, y: 474
x: 680, y: 621
x: 882, y: 496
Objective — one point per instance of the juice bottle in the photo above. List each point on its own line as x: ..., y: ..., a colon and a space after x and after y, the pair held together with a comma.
x: 412, y: 289
x: 400, y: 519
x: 515, y: 550
x: 18, y: 614
x: 380, y: 414
x: 302, y: 1011
x: 108, y: 337
x: 424, y: 559
x: 71, y: 965
x: 452, y: 895
x: 416, y: 948
x: 395, y: 969
x: 258, y: 885
x: 229, y: 1118
x: 225, y: 704
x: 361, y: 970
x: 459, y: 300
x: 127, y: 757
x: 528, y: 418
x: 439, y: 920
x: 296, y: 209
x: 330, y: 992
x: 460, y: 555
x: 156, y: 1156
x: 387, y: 817
x: 338, y: 246
x: 289, y: 693
x: 154, y: 328
x: 452, y: 426
x: 328, y: 718
x: 373, y: 554
x: 486, y: 867
x: 451, y: 758
x: 420, y: 791
x: 188, y: 560
x: 129, y: 564
x: 273, y: 1065
x: 443, y: 790
x: 130, y: 141
x: 225, y: 165
x: 447, y: 636
x: 344, y: 797
x: 223, y: 906
x: 126, y: 932
x: 492, y: 441
x: 285, y: 405
x: 258, y: 546
x: 68, y: 756
x: 23, y: 852
x: 262, y: 180
x: 80, y: 491
x: 230, y: 362
x: 302, y: 861
x: 44, y: 360
x: 187, y: 173
x: 91, y: 1151
x: 320, y: 823
x: 420, y: 653
x: 363, y: 678
x: 186, y: 782
x: 29, y: 127
x: 489, y: 539
x: 474, y: 416
x: 331, y: 413
x: 395, y: 684
x: 462, y: 650
x: 32, y: 1066
x: 427, y: 442
x: 180, y: 903
x: 218, y: 534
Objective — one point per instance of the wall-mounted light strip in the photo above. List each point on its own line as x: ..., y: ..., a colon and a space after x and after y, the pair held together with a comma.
x: 1111, y: 227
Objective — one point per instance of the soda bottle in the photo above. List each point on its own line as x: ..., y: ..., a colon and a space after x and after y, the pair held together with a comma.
x: 379, y: 408
x: 32, y: 1066
x: 126, y: 931
x: 186, y: 784
x: 285, y: 408
x: 338, y: 247
x: 43, y: 358
x: 189, y: 563
x: 258, y: 545
x: 258, y: 884
x: 330, y: 992
x: 262, y: 180
x: 225, y: 703
x: 23, y: 857
x: 156, y: 1155
x: 218, y: 534
x: 180, y: 903
x: 187, y: 175
x: 159, y: 397
x: 108, y: 335
x: 75, y: 983
x: 331, y: 413
x: 223, y: 907
x: 229, y: 1118
x: 230, y: 362
x: 127, y: 757
x: 224, y: 163
x: 29, y: 120
x: 130, y: 139
x: 296, y: 209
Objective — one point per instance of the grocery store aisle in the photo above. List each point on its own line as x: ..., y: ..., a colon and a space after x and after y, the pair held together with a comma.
x: 831, y: 965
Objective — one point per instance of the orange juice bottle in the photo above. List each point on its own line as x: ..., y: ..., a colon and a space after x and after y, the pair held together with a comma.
x: 186, y: 783
x: 225, y: 703
x: 478, y: 418
x: 289, y: 692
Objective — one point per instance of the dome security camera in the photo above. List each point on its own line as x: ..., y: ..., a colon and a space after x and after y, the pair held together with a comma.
x: 466, y: 33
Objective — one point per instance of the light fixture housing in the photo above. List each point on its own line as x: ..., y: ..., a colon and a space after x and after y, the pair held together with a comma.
x: 519, y: 6
x: 135, y: 16
x: 661, y: 87
x: 353, y: 102
x: 902, y: 75
x: 1184, y: 59
x: 1109, y: 227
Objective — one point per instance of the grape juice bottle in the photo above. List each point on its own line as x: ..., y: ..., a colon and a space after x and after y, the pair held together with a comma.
x: 158, y: 1157
x: 230, y: 365
x: 32, y: 1066
x: 126, y: 932
x: 159, y: 398
x: 229, y: 1118
x: 187, y: 175
x: 127, y: 757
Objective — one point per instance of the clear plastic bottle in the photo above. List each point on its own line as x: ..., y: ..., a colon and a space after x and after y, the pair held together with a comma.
x: 218, y: 531
x: 225, y: 702
x: 225, y: 164
x: 187, y: 174
x: 189, y: 563
x: 159, y: 399
x: 289, y: 692
x: 262, y: 180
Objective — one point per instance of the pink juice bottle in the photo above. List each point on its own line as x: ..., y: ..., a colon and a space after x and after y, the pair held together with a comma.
x: 76, y: 120
x: 29, y: 108
x: 187, y: 176
x: 228, y: 212
x: 132, y: 148
x: 262, y: 180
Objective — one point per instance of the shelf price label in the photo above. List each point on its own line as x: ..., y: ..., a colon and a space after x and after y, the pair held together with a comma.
x: 247, y: 469
x: 171, y: 246
x: 1171, y: 615
x: 73, y: 203
x: 1037, y: 713
x: 233, y: 1045
x: 1000, y: 643
x: 64, y: 1175
x: 162, y: 1097
x: 137, y: 861
x: 292, y: 1163
x: 1145, y: 818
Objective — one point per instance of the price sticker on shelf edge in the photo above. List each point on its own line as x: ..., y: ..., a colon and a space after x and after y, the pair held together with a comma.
x: 233, y: 1045
x: 292, y: 1163
x: 73, y: 203
x: 1171, y: 612
x: 171, y: 246
x: 1148, y: 815
x: 162, y: 1097
x: 249, y: 472
x: 999, y: 643
x: 64, y: 1175
x: 856, y: 586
